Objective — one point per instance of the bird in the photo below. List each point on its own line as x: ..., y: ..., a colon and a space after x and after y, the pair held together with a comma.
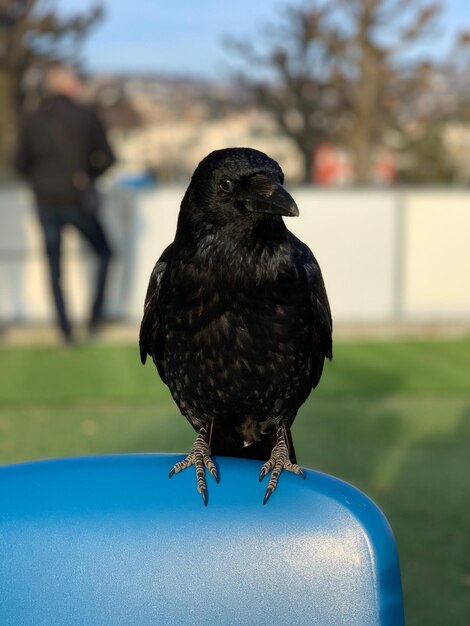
x: 236, y: 316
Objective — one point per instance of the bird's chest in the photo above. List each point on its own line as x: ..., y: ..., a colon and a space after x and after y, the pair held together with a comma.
x: 228, y: 309
x: 231, y: 341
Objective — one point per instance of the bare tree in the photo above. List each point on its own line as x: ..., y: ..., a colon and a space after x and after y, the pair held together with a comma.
x: 383, y: 35
x: 341, y: 71
x: 32, y: 31
x: 304, y: 84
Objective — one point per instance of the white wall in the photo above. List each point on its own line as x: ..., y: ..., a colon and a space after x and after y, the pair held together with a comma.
x: 437, y: 256
x: 387, y: 256
x: 353, y: 238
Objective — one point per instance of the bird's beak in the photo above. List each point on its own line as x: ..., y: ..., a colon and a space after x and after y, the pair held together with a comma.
x: 271, y: 199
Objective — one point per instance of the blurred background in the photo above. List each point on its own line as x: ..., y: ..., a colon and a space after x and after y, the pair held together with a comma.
x: 366, y: 106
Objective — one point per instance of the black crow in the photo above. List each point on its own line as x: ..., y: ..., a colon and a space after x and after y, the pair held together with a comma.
x: 236, y: 316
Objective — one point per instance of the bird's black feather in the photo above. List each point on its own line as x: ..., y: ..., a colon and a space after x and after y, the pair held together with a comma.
x: 236, y: 315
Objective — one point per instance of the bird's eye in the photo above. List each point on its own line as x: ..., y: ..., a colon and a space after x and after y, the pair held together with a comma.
x: 227, y: 185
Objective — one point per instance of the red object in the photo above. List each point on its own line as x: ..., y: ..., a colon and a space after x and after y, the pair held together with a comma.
x: 331, y: 166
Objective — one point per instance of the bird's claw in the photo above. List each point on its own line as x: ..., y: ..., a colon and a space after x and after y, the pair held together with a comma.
x: 200, y: 458
x: 267, y: 494
x: 277, y: 467
x: 267, y: 467
x: 278, y: 462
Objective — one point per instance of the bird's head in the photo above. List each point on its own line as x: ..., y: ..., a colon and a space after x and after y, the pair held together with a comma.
x: 236, y: 182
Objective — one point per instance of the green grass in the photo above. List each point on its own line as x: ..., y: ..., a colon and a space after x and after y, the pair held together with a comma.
x: 393, y: 418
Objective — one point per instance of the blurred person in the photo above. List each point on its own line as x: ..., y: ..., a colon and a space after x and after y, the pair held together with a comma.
x: 62, y: 150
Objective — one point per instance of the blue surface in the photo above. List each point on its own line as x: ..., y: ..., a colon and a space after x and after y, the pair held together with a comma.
x: 111, y: 540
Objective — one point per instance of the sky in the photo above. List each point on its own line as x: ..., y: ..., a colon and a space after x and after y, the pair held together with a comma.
x: 185, y: 36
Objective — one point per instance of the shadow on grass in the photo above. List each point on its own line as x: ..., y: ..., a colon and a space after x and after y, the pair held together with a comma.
x: 417, y: 472
x: 429, y: 508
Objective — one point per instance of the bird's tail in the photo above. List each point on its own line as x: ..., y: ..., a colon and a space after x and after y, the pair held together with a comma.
x: 224, y: 444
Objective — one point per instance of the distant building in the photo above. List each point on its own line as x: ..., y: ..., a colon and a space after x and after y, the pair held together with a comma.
x: 165, y: 126
x: 168, y: 125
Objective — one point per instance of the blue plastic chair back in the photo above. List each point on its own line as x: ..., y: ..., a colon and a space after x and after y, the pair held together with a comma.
x: 112, y: 541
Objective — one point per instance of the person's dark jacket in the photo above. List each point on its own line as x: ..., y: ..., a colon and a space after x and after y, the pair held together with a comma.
x: 62, y: 149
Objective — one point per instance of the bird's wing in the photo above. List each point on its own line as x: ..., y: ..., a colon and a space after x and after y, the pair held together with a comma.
x: 322, y: 325
x: 151, y: 341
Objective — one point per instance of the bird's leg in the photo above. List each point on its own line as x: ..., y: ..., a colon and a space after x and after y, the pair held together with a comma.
x: 278, y: 461
x: 200, y: 457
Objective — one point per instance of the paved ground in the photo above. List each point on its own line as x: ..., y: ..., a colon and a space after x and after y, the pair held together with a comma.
x: 127, y: 333
x: 47, y: 335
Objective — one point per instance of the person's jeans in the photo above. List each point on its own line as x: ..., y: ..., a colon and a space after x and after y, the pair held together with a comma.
x: 53, y: 219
